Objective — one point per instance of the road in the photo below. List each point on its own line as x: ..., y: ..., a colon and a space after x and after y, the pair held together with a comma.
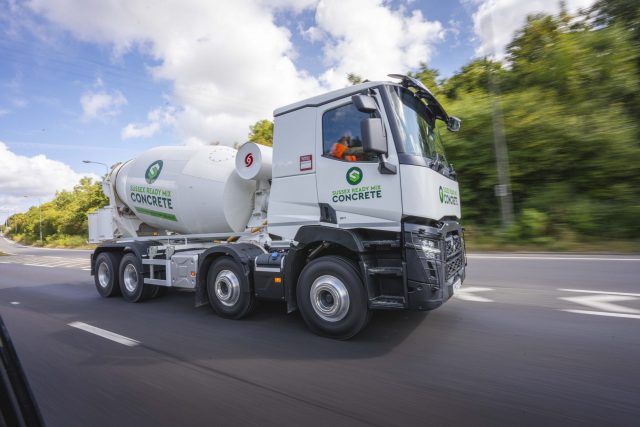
x: 530, y: 340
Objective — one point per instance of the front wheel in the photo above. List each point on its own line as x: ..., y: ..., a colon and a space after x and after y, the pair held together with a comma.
x: 332, y: 298
x: 228, y: 289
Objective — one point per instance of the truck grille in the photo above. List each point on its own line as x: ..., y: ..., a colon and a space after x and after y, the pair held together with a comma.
x: 454, y: 254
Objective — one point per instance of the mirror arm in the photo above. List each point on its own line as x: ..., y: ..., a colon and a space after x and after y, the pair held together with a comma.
x: 386, y: 168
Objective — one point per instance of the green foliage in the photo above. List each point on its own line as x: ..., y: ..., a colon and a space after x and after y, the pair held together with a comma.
x: 262, y: 133
x: 354, y: 79
x: 569, y: 96
x: 64, y: 219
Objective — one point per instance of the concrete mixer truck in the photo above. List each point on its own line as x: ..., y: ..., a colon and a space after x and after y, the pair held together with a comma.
x: 355, y: 209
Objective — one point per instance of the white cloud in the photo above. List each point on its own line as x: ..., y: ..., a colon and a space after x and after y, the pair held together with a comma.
x: 496, y: 21
x: 101, y: 104
x: 156, y: 119
x: 36, y: 176
x: 231, y: 64
x: 368, y: 38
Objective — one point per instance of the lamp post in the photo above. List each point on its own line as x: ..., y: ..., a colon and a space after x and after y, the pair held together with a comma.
x: 503, y: 189
x: 98, y: 163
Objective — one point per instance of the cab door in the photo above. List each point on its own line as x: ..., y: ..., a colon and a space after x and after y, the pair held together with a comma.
x: 351, y: 191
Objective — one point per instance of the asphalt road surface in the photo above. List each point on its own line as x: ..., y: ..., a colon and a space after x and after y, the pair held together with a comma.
x: 529, y: 340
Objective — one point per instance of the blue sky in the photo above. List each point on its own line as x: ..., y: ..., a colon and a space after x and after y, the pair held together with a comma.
x: 104, y: 80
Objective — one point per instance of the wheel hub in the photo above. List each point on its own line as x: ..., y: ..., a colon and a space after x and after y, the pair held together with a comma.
x: 329, y: 298
x: 130, y: 278
x: 227, y: 288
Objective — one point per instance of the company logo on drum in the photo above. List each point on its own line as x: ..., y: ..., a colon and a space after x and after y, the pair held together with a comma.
x: 248, y: 160
x: 153, y: 171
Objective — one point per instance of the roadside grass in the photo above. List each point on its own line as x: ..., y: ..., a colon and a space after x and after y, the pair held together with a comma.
x: 60, y: 242
x: 480, y: 240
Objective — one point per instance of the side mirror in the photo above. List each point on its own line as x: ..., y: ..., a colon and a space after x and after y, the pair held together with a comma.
x: 373, y: 139
x: 453, y: 124
x: 364, y: 103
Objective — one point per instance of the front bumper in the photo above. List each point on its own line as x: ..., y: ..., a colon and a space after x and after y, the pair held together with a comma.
x: 435, y: 263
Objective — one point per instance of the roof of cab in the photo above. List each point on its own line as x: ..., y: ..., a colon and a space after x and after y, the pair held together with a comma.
x: 329, y: 96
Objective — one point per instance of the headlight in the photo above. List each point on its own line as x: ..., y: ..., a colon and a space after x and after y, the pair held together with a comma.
x: 430, y: 248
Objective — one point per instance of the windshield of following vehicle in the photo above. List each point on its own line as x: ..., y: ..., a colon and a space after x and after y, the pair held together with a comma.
x: 416, y: 125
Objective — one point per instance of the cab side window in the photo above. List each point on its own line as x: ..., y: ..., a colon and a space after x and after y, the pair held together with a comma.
x: 341, y: 137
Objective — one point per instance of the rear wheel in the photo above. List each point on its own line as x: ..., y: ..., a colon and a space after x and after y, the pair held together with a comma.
x: 228, y: 289
x: 331, y: 297
x: 106, y: 274
x: 132, y: 280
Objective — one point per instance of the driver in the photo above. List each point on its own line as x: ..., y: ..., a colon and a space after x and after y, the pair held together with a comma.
x: 343, y: 150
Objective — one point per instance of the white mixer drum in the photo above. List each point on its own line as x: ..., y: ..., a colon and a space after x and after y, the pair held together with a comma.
x: 187, y: 190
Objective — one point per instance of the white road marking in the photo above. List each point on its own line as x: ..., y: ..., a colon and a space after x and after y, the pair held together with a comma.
x: 583, y: 291
x: 600, y: 313
x: 550, y: 258
x: 47, y: 261
x: 15, y: 303
x: 120, y: 339
x: 604, y: 303
x: 37, y: 265
x: 467, y: 294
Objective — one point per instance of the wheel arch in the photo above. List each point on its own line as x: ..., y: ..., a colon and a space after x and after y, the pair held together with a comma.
x: 241, y: 253
x: 315, y: 241
x: 138, y: 248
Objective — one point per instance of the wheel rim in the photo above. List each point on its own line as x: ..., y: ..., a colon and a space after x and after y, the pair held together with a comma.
x: 104, y: 275
x: 329, y: 298
x: 227, y: 288
x: 130, y: 278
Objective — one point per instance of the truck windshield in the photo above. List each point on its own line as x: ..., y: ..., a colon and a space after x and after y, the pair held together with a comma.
x: 416, y: 125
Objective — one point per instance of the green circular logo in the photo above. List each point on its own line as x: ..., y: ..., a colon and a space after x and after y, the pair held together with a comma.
x: 441, y: 191
x: 354, y: 175
x: 153, y: 171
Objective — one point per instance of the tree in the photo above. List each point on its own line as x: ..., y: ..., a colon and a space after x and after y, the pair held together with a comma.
x: 354, y: 79
x: 262, y: 133
x: 65, y: 215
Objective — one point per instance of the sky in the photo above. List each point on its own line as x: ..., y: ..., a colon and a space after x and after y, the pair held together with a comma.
x: 104, y: 80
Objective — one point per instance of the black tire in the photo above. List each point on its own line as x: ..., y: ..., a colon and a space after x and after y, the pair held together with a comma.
x: 132, y: 287
x: 331, y: 274
x: 106, y: 277
x: 234, y: 299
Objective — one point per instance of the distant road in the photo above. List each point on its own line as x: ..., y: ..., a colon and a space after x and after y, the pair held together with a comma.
x: 529, y: 340
x: 9, y: 246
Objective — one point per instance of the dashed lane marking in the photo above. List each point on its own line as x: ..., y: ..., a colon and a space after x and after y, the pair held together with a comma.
x: 120, y: 339
x: 469, y: 294
x: 584, y: 291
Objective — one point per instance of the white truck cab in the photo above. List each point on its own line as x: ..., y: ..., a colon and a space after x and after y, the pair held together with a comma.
x: 359, y: 210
